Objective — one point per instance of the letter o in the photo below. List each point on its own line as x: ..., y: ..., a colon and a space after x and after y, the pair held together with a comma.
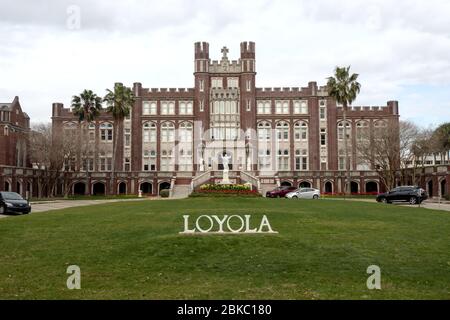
x: 198, y: 226
x: 242, y: 224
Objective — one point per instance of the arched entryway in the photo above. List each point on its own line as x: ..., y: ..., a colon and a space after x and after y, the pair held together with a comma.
x: 304, y: 184
x: 122, y: 188
x: 371, y: 186
x: 79, y: 188
x: 7, y: 186
x: 430, y: 188
x: 98, y: 189
x: 444, y: 188
x: 19, y: 187
x: 328, y: 187
x: 286, y: 184
x: 146, y: 187
x: 164, y: 185
x: 354, y: 187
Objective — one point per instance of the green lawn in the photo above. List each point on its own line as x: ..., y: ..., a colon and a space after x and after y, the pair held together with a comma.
x: 132, y: 250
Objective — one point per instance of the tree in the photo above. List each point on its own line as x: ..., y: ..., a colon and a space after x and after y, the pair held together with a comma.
x: 120, y: 102
x: 49, y: 153
x: 408, y: 134
x: 87, y: 106
x: 344, y: 88
x: 441, y: 141
x: 386, y: 147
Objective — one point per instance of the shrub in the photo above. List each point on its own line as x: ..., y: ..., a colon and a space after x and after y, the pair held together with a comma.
x: 225, y: 187
x: 164, y: 193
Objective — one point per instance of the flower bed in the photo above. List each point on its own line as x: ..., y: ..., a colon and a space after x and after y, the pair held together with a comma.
x: 225, y: 190
x: 225, y: 187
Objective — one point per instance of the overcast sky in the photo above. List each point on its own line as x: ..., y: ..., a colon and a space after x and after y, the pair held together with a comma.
x: 401, y: 49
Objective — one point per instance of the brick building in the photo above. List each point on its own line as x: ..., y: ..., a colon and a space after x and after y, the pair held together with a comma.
x: 174, y: 138
x: 14, y: 129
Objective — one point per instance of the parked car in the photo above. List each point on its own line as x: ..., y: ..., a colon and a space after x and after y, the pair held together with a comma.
x: 279, y: 192
x: 13, y: 203
x: 304, y: 193
x: 411, y: 194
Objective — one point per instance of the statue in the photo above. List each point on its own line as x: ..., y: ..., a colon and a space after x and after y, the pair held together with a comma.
x: 225, y: 161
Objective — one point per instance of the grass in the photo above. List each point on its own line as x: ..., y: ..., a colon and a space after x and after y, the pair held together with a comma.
x: 133, y: 250
x: 89, y: 197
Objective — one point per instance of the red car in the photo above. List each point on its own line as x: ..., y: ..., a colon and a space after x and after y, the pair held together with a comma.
x: 280, y: 192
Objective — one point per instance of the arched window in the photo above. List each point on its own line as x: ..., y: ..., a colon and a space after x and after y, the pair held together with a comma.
x: 185, y: 132
x: 301, y: 131
x: 341, y: 130
x: 264, y: 129
x: 91, y: 132
x: 106, y: 132
x: 282, y: 129
x: 167, y: 132
x: 362, y: 130
x: 149, y: 132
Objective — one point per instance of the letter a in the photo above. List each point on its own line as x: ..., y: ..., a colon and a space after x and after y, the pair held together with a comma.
x: 74, y: 280
x: 265, y: 223
x: 374, y: 280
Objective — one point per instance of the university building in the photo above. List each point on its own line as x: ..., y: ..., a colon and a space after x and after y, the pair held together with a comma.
x: 175, y: 137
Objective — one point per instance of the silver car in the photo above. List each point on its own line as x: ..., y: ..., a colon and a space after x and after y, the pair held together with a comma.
x: 304, y: 193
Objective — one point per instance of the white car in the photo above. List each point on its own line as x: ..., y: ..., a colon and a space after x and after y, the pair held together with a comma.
x: 304, y: 193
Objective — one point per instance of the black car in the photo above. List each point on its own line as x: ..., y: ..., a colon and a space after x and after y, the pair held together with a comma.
x: 11, y: 202
x: 411, y: 194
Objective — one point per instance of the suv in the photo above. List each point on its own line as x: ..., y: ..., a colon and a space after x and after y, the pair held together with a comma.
x: 13, y: 202
x: 411, y: 194
x: 280, y: 192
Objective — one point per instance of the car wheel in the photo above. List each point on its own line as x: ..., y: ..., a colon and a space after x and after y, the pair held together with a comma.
x: 294, y: 197
x: 384, y: 200
x: 412, y: 200
x: 315, y: 197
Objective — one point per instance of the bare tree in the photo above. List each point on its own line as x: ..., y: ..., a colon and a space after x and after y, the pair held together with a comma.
x: 408, y: 133
x: 381, y: 149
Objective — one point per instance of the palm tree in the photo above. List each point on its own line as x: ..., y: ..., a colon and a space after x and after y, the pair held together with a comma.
x: 119, y: 104
x: 87, y: 107
x: 344, y: 88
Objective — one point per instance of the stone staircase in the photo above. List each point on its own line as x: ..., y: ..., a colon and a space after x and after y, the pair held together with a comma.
x: 267, y: 187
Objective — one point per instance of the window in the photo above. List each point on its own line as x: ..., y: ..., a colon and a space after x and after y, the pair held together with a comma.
x: 264, y: 159
x: 167, y: 163
x: 323, y: 137
x: 185, y: 107
x: 264, y: 129
x: 264, y: 107
x: 149, y: 108
x: 185, y: 132
x: 202, y: 105
x: 300, y: 107
x: 127, y: 134
x: 283, y: 159
x: 105, y: 162
x: 301, y: 159
x: 167, y: 107
x: 341, y: 130
x: 149, y: 132
x: 201, y: 85
x: 167, y: 132
x: 233, y: 82
x: 106, y: 132
x: 282, y: 130
x: 322, y: 110
x: 249, y: 105
x: 216, y: 82
x: 282, y: 107
x: 127, y: 164
x: 91, y: 133
x: 149, y: 160
x: 362, y: 130
x: 301, y: 131
x: 249, y: 85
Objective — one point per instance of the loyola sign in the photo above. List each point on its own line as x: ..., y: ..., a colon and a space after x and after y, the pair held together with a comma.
x: 226, y: 224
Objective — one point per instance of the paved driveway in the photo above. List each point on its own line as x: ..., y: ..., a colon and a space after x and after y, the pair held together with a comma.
x: 62, y: 204
x: 426, y: 204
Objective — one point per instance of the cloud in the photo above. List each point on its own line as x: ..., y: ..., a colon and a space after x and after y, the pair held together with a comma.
x: 396, y: 48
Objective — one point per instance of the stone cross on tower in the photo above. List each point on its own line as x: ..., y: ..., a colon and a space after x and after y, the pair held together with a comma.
x: 225, y: 52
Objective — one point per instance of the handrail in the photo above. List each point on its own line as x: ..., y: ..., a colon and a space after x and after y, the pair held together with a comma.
x: 200, y: 179
x: 251, y: 179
